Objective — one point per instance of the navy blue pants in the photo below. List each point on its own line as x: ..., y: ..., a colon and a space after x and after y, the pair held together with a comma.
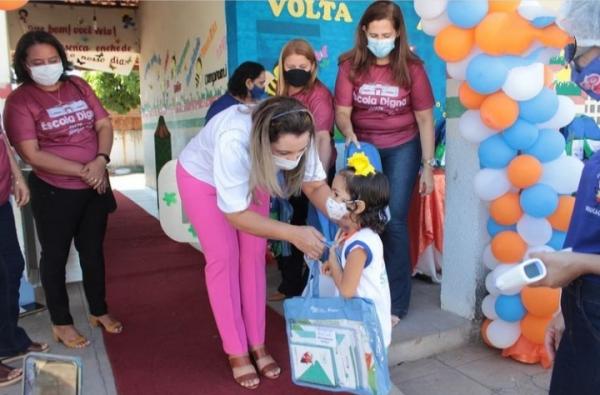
x: 13, y: 340
x: 577, y: 364
x: 401, y: 165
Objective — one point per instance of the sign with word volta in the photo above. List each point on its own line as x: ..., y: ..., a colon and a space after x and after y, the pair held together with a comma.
x: 103, y: 39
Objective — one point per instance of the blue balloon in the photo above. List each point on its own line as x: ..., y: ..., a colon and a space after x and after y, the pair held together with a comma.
x: 539, y: 109
x: 549, y: 145
x: 494, y: 228
x: 521, y: 135
x: 486, y: 74
x: 543, y: 21
x: 510, y: 308
x: 558, y: 240
x: 467, y: 14
x: 539, y: 200
x: 495, y: 153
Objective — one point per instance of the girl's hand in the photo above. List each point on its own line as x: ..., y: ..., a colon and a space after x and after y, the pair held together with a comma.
x: 352, y: 139
x: 326, y: 268
x: 426, y: 181
x: 21, y: 191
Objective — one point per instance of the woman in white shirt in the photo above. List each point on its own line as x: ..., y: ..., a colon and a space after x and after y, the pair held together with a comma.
x: 225, y: 176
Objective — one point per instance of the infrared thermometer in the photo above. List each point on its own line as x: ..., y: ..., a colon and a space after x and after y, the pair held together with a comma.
x: 524, y: 273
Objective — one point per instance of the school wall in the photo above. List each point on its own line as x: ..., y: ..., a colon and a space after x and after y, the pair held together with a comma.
x: 183, y: 67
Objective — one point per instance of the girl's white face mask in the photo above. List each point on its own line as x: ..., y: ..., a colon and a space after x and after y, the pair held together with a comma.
x: 336, y: 210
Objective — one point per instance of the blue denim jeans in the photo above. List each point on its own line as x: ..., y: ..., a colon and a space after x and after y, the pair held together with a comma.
x: 401, y: 166
x: 13, y: 339
x: 577, y: 364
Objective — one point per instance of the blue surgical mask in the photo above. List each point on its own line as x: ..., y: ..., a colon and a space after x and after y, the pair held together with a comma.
x: 257, y: 92
x: 588, y: 78
x: 380, y: 48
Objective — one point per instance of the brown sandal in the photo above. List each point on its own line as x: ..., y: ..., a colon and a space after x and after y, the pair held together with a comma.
x: 9, y: 375
x: 114, y: 328
x: 76, y: 342
x: 265, y: 363
x: 34, y: 347
x: 243, y: 371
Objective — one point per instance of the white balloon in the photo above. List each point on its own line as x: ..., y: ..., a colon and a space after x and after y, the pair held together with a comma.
x: 562, y: 174
x: 490, y: 284
x: 525, y: 82
x: 488, y: 307
x: 564, y: 114
x: 490, y: 184
x: 500, y: 269
x: 489, y: 260
x: 472, y: 128
x: 433, y: 26
x: 532, y: 9
x: 502, y: 334
x: 538, y: 249
x: 535, y: 231
x: 429, y: 9
x: 458, y: 70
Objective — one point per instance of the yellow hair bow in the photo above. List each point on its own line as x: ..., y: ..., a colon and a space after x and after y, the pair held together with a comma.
x: 361, y: 164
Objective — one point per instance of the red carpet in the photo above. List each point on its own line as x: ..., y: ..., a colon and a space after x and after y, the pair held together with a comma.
x: 170, y: 344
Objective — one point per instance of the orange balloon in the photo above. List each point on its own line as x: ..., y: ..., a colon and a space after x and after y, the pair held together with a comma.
x: 548, y: 77
x: 524, y: 171
x: 506, y: 210
x: 484, y: 327
x: 534, y: 328
x: 561, y: 218
x: 9, y: 5
x: 498, y: 111
x: 553, y: 36
x: 526, y: 352
x: 504, y: 33
x: 470, y: 98
x: 453, y: 43
x: 503, y: 5
x: 541, y: 301
x: 508, y: 247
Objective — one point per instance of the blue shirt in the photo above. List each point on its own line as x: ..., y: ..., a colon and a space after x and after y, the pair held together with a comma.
x: 584, y: 231
x: 223, y: 102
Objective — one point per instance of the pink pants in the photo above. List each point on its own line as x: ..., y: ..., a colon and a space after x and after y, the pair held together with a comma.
x: 235, y: 265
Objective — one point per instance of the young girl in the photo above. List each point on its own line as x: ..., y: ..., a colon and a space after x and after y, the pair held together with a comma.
x: 360, y: 196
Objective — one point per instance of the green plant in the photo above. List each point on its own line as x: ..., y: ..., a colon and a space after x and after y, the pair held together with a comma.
x: 119, y: 93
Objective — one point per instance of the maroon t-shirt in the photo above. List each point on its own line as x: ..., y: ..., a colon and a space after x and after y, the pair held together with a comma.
x: 62, y: 122
x: 383, y: 111
x: 5, y: 173
x: 319, y: 102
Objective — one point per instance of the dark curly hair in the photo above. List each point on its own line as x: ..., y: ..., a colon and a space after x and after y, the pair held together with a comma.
x: 237, y: 83
x: 374, y: 190
x: 37, y: 37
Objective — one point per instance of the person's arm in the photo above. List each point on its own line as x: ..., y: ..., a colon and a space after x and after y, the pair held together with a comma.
x: 306, y: 238
x: 317, y: 192
x: 323, y: 140
x: 427, y: 136
x: 346, y: 280
x: 31, y: 153
x: 344, y: 123
x: 95, y: 170
x: 20, y: 188
x: 564, y: 267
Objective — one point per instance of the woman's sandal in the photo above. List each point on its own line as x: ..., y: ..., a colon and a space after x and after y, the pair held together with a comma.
x: 244, y: 372
x: 33, y: 347
x: 77, y: 342
x: 265, y: 363
x: 115, y: 327
x: 9, y: 375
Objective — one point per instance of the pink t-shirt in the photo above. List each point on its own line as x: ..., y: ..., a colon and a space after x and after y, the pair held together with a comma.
x: 319, y: 102
x: 4, y: 170
x: 382, y: 111
x: 62, y: 122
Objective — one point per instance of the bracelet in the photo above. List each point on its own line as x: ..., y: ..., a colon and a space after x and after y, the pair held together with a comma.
x: 105, y: 156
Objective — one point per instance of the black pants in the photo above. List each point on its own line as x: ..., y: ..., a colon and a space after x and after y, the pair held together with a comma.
x: 13, y: 340
x: 61, y: 216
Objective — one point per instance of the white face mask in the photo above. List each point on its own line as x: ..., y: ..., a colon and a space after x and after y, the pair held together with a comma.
x: 336, y: 210
x: 286, y: 164
x: 47, y: 74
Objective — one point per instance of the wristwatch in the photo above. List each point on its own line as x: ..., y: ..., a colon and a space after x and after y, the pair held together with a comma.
x: 105, y: 156
x: 429, y: 162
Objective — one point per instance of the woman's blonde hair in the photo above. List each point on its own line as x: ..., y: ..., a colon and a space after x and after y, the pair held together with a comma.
x: 271, y: 119
x: 296, y: 47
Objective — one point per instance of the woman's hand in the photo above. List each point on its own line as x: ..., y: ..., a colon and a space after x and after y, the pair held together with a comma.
x: 554, y: 333
x: 426, y: 180
x: 352, y: 139
x: 93, y: 172
x: 561, y: 269
x: 21, y: 191
x: 101, y: 189
x: 308, y: 240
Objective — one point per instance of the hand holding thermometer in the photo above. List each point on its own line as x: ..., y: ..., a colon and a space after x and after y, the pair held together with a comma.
x: 524, y: 273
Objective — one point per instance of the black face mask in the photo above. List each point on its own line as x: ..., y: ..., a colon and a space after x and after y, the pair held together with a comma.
x: 296, y: 77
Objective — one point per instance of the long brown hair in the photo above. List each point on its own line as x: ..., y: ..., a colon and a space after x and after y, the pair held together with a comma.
x: 271, y: 119
x: 296, y: 47
x: 400, y: 57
